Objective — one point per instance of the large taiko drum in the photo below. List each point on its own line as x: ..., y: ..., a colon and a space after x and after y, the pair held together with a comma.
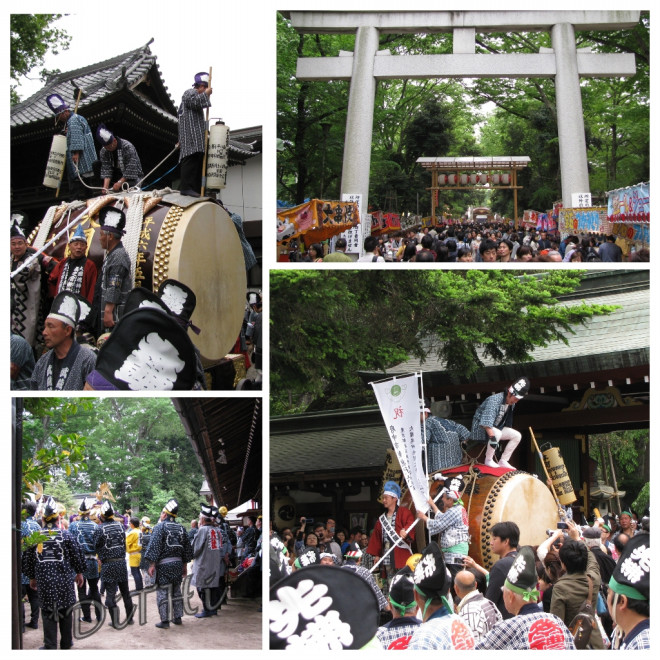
x: 516, y: 496
x: 189, y: 240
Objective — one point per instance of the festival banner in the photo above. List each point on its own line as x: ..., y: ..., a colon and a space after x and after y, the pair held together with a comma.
x: 317, y: 220
x: 583, y: 220
x: 630, y: 204
x: 400, y: 405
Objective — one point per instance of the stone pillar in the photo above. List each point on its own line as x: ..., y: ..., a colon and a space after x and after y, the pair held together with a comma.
x: 570, y: 121
x: 360, y: 117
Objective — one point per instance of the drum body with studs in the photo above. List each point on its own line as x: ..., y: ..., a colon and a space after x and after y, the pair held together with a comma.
x: 170, y: 237
x: 515, y: 496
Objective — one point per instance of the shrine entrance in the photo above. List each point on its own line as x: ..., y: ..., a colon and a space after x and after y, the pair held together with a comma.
x: 563, y: 62
x: 474, y: 173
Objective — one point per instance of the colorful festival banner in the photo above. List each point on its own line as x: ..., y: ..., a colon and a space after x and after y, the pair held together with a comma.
x: 400, y: 405
x: 317, y: 220
x: 630, y: 204
x: 583, y: 220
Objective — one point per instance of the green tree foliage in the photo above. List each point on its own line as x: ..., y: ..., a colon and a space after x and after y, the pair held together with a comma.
x: 139, y: 447
x: 631, y: 458
x: 326, y: 326
x: 48, y: 451
x: 32, y: 36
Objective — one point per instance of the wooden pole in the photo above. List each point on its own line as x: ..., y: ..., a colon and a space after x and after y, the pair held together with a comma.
x: 206, y: 138
x: 616, y: 488
x: 552, y: 487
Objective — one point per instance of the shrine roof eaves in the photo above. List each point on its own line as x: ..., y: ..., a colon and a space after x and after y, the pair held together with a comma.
x: 474, y: 162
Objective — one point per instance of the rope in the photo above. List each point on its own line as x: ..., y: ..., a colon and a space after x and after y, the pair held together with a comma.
x: 131, y: 239
x: 155, y: 168
x: 44, y: 228
x: 148, y: 185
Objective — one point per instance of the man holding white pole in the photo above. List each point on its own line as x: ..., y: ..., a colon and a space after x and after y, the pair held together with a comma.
x: 391, y: 529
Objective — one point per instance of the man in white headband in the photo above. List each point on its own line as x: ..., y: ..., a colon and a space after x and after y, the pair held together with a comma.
x: 66, y: 365
x: 493, y: 422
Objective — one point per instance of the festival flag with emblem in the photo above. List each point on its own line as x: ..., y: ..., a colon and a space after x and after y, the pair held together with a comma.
x: 400, y: 404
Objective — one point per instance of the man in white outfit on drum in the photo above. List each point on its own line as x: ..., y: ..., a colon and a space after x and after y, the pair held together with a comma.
x: 493, y: 422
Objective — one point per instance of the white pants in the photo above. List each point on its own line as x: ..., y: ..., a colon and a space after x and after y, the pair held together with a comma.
x: 506, y: 434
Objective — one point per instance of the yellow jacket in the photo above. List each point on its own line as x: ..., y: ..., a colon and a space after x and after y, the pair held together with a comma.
x: 133, y: 547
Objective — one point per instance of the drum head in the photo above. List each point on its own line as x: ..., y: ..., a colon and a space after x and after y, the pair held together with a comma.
x: 521, y: 498
x: 206, y: 254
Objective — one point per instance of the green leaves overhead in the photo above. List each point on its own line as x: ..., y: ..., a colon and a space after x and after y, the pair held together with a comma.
x: 328, y: 325
x: 138, y: 446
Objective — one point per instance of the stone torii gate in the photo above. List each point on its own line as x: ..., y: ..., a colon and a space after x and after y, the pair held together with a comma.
x: 563, y: 61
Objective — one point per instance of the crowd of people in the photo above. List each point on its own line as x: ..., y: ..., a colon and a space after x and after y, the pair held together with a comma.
x: 585, y: 587
x: 70, y: 322
x: 94, y: 551
x: 487, y: 243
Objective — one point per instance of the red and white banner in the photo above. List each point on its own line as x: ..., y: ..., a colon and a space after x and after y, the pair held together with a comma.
x: 400, y: 404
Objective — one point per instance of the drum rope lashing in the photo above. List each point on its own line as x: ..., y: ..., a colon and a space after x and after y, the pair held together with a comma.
x: 131, y: 240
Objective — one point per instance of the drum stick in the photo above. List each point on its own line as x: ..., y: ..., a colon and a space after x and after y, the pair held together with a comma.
x: 206, y: 138
x: 378, y: 563
x: 552, y: 486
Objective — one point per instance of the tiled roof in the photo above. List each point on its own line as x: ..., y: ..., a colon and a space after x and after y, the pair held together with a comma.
x: 98, y: 81
x: 331, y: 449
x: 627, y: 328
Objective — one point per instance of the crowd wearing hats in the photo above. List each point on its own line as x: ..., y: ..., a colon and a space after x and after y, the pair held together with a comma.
x: 90, y: 550
x: 147, y: 347
x: 583, y: 587
x: 431, y: 607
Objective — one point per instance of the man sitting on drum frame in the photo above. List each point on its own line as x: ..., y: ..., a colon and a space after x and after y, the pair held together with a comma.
x: 493, y: 422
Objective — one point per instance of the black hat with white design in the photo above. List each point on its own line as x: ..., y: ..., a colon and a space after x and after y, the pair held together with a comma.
x: 454, y: 486
x: 431, y: 577
x: 206, y: 510
x: 147, y: 350
x: 85, y: 308
x: 65, y: 308
x: 631, y: 575
x: 50, y: 510
x: 520, y: 388
x: 253, y: 298
x: 104, y: 135
x: 112, y: 219
x: 106, y: 509
x: 308, y: 557
x: 522, y: 576
x: 180, y: 300
x: 56, y: 103
x: 402, y: 590
x: 87, y: 504
x: 310, y: 608
x: 171, y: 508
x: 140, y: 298
x: 16, y: 231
